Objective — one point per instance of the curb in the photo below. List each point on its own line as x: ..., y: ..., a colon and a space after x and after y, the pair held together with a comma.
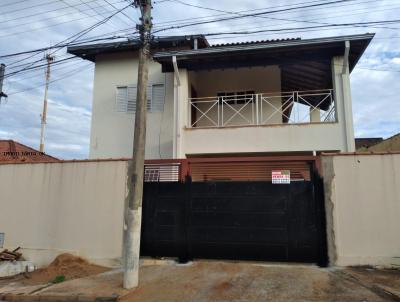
x: 57, y: 298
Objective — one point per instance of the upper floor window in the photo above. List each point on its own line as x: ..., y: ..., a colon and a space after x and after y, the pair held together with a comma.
x: 126, y: 98
x: 233, y: 98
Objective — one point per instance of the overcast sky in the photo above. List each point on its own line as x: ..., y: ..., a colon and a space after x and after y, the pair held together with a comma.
x: 32, y: 24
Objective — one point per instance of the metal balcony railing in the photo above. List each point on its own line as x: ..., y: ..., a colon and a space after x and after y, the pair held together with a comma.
x: 296, y: 107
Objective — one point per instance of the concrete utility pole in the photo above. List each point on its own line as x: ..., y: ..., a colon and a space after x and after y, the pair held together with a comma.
x: 2, y: 71
x: 49, y: 59
x: 136, y: 164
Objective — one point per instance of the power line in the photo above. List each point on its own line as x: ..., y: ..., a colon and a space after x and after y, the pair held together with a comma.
x: 303, y: 10
x: 253, y: 14
x: 94, y: 9
x: 66, y: 75
x: 306, y: 27
x: 127, y: 16
x: 264, y: 17
x: 13, y: 3
x: 180, y: 21
x: 38, y: 66
x: 55, y: 69
x: 378, y: 69
x: 59, y: 46
x: 54, y: 10
x: 76, y: 36
x: 30, y: 7
x: 79, y: 10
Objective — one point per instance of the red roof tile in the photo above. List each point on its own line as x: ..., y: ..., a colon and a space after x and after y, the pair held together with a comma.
x: 12, y: 151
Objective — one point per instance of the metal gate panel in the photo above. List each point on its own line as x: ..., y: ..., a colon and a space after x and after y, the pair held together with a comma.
x: 246, y: 170
x: 250, y: 220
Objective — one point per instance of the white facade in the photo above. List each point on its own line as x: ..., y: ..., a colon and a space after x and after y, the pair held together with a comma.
x: 170, y: 133
x: 112, y: 130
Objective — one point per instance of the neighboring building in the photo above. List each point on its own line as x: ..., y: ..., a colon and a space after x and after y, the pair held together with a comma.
x: 288, y: 96
x: 366, y: 142
x: 391, y: 144
x: 13, y: 152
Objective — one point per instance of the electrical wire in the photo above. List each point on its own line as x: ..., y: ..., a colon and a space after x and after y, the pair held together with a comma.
x: 75, y: 37
x: 54, y: 10
x: 66, y: 75
x: 128, y: 17
x: 306, y: 27
x: 263, y: 17
x: 38, y: 66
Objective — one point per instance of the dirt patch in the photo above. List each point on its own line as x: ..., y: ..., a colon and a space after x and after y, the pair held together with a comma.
x: 67, y: 265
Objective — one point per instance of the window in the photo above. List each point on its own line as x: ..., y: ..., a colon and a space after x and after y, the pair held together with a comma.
x: 126, y: 98
x: 235, y: 98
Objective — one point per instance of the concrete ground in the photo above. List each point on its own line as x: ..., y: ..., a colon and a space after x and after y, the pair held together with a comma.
x: 165, y: 281
x: 229, y: 281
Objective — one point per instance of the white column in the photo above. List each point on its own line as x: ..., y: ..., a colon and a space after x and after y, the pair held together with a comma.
x: 343, y: 103
x: 182, y: 109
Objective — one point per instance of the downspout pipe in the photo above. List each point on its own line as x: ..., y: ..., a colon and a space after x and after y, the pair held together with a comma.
x: 177, y: 83
x: 346, y: 57
x: 346, y: 98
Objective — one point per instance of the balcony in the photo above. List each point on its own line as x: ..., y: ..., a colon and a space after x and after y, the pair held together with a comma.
x: 257, y: 109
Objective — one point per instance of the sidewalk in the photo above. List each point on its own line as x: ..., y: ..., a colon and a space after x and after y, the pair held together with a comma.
x: 222, y: 281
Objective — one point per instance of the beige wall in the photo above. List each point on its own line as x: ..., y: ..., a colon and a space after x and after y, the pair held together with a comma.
x: 336, y: 136
x: 52, y: 208
x: 77, y: 207
x: 257, y: 79
x: 167, y: 133
x: 362, y: 195
x: 276, y: 138
x: 112, y: 131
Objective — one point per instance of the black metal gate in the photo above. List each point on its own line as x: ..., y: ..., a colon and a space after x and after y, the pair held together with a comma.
x: 249, y: 220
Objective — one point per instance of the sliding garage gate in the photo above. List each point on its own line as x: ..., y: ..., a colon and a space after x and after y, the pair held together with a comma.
x: 212, y: 215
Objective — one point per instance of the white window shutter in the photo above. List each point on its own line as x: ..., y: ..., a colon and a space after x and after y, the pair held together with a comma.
x: 126, y: 98
x: 158, y: 97
x: 122, y: 99
x: 131, y: 107
x: 149, y: 100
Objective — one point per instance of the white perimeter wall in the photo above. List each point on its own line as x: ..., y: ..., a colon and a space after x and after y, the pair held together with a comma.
x: 77, y: 207
x: 112, y: 131
x: 48, y: 209
x: 362, y: 195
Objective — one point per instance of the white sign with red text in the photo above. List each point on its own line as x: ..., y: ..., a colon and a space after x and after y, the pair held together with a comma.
x: 281, y: 177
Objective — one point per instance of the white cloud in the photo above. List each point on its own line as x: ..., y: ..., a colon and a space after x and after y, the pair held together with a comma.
x: 396, y: 60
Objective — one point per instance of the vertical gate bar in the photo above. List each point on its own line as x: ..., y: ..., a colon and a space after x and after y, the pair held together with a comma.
x: 189, y: 199
x: 187, y: 250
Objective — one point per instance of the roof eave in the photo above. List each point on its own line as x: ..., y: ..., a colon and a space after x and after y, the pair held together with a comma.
x: 90, y: 51
x: 163, y: 57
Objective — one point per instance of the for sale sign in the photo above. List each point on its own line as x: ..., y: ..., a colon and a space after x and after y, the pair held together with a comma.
x: 281, y: 177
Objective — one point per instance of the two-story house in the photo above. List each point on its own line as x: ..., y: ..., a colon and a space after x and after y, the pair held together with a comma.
x: 289, y: 96
x: 238, y: 125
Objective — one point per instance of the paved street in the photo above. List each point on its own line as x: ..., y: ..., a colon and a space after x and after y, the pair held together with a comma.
x: 220, y: 281
x: 229, y: 281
